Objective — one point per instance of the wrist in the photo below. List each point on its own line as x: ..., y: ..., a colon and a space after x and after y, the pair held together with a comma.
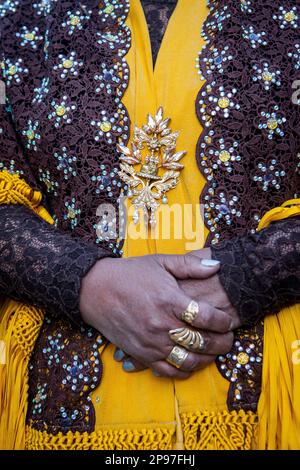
x: 93, y: 291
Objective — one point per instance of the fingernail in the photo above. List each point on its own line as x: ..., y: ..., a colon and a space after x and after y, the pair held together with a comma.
x: 128, y: 366
x: 119, y: 355
x: 210, y: 263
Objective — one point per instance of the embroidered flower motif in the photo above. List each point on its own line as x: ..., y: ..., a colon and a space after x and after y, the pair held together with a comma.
x: 256, y: 39
x: 111, y: 78
x: 65, y: 163
x: 106, y: 180
x: 244, y: 357
x: 106, y: 127
x: 216, y: 60
x: 268, y: 175
x: 51, y: 185
x: 75, y: 20
x: 272, y: 123
x: 218, y: 20
x: 113, y: 41
x: 267, y: 76
x: 39, y: 398
x: 242, y: 364
x: 110, y: 9
x: 226, y: 208
x: 220, y: 102
x: 29, y: 37
x: 8, y: 6
x: 219, y: 207
x: 221, y: 156
x: 61, y: 112
x: 13, y: 71
x: 74, y: 372
x: 246, y: 6
x: 296, y: 56
x: 41, y: 91
x: 43, y: 7
x: 32, y: 135
x: 72, y: 213
x: 53, y: 348
x: 11, y: 167
x: 68, y: 65
x: 287, y: 17
x: 106, y: 228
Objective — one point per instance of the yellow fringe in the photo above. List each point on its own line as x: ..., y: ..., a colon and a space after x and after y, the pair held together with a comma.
x: 220, y: 431
x: 19, y: 328
x: 201, y: 431
x: 106, y: 439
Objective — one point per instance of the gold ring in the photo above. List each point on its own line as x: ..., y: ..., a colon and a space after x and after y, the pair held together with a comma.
x: 191, y: 312
x: 177, y: 356
x: 189, y: 339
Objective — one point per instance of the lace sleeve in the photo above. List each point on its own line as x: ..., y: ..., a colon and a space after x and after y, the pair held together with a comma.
x: 40, y: 265
x: 261, y: 272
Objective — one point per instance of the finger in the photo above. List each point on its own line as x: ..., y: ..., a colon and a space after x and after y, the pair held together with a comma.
x: 119, y: 355
x: 163, y: 369
x: 208, y: 318
x: 132, y: 365
x: 211, y: 343
x: 189, y: 266
x: 193, y: 361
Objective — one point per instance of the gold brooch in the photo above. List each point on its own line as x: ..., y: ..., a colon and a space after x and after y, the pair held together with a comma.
x: 148, y: 185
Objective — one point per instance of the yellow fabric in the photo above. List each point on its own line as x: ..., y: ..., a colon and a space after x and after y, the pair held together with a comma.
x: 139, y: 411
x: 279, y: 404
x: 19, y: 328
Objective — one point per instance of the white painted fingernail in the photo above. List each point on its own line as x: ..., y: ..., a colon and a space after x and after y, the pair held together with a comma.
x: 210, y: 263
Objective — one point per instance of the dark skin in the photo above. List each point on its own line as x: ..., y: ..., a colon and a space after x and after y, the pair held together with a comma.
x: 125, y: 298
x: 211, y: 291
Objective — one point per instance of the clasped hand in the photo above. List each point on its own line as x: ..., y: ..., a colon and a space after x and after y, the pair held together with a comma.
x: 135, y: 302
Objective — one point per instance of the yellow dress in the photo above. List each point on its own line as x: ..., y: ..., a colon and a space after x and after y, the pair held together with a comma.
x: 140, y: 411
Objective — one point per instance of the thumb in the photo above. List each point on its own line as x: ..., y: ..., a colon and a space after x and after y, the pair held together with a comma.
x: 189, y: 266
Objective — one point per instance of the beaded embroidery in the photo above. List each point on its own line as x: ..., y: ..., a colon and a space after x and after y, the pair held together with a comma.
x: 74, y: 60
x: 248, y: 117
x: 62, y: 376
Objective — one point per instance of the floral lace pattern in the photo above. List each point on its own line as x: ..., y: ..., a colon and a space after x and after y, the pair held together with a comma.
x: 62, y: 376
x: 158, y: 13
x: 261, y: 272
x: 40, y: 265
x: 248, y: 148
x: 63, y: 63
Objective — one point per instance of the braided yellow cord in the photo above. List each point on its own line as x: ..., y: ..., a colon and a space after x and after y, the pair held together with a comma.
x: 14, y: 190
x: 220, y: 431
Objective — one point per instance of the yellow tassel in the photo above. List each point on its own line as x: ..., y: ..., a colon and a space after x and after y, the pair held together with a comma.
x: 219, y: 431
x: 19, y: 328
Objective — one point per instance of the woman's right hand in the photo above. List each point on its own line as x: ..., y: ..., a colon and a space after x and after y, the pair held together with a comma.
x: 134, y: 302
